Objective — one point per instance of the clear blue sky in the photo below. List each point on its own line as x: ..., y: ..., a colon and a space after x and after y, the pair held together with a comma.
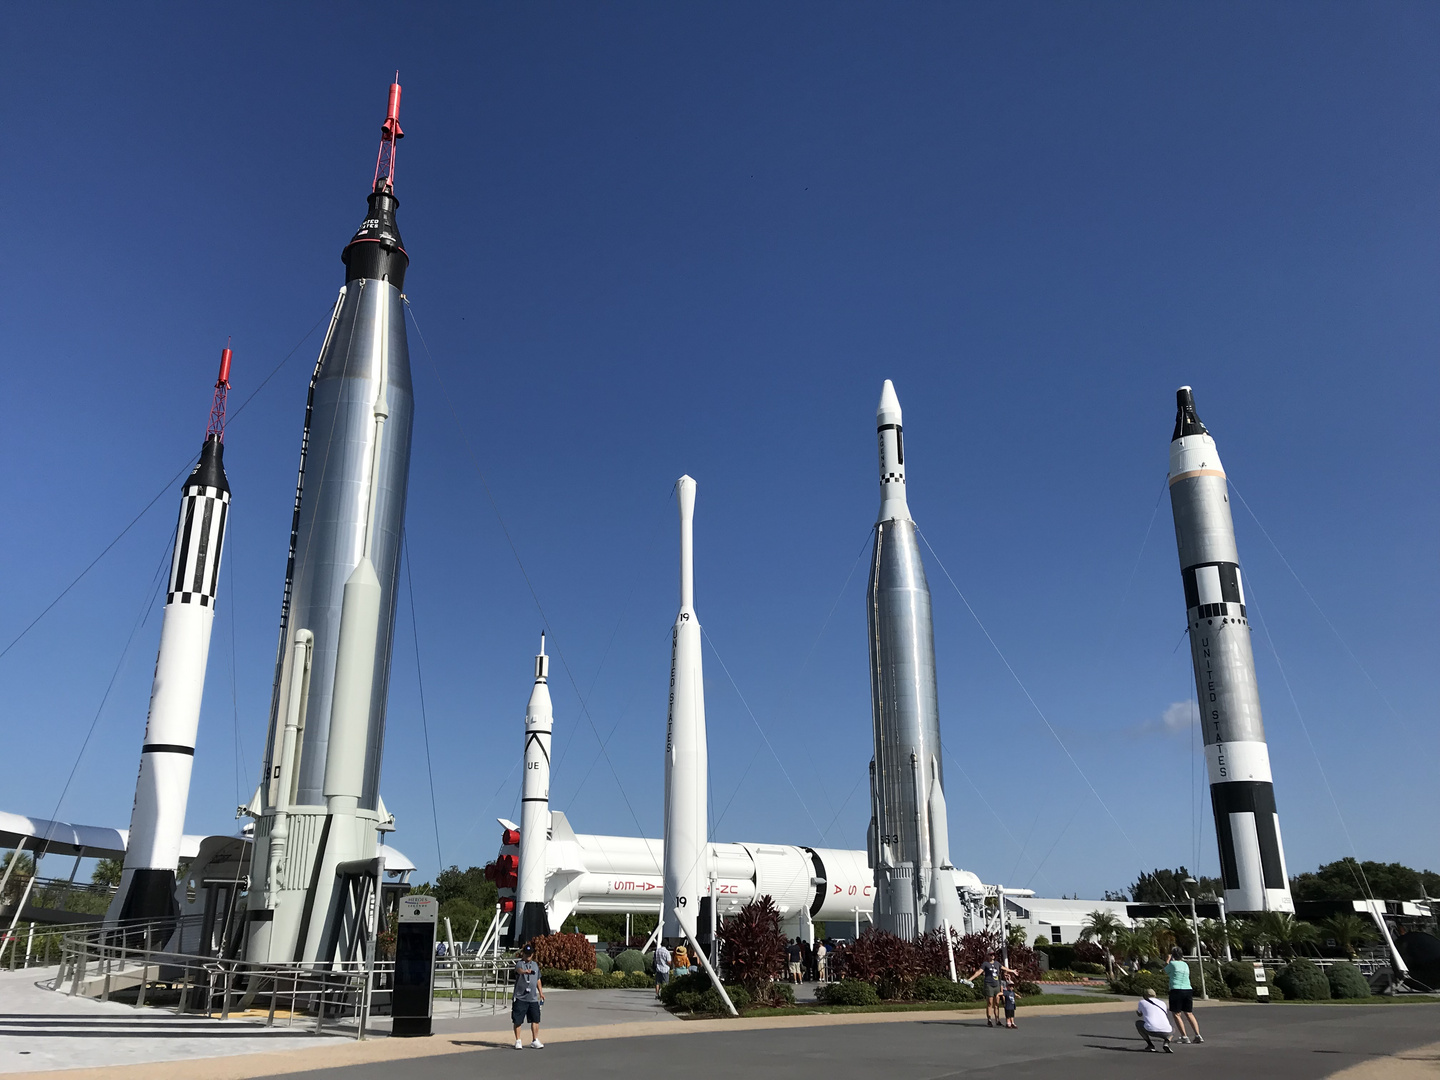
x: 656, y: 239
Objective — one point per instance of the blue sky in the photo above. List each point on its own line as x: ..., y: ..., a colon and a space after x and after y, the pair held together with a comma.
x: 656, y: 239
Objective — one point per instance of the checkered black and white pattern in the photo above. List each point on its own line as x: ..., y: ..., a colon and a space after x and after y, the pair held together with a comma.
x: 199, y: 540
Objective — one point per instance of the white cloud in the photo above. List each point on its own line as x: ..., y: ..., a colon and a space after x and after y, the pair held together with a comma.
x: 1178, y: 716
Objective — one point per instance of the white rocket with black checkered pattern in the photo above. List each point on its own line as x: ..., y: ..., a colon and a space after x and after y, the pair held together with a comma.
x: 162, y: 790
x: 1242, y: 793
x: 909, y: 838
x: 531, y: 919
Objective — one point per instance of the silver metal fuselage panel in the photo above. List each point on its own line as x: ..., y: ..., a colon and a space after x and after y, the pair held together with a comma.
x: 331, y: 535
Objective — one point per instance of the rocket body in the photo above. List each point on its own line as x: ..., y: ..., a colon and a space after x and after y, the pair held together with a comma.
x: 531, y: 919
x: 340, y: 590
x: 162, y: 790
x: 686, y: 865
x: 1242, y: 793
x: 909, y: 841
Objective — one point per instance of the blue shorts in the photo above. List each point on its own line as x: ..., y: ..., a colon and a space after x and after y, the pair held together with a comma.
x: 524, y: 1012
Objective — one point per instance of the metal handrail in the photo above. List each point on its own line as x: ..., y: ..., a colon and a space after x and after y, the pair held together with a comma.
x: 133, y: 956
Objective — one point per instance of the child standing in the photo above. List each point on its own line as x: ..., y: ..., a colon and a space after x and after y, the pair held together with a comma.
x: 1008, y: 997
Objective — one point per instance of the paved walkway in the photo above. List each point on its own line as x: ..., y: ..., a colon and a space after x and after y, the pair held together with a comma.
x: 40, y: 1029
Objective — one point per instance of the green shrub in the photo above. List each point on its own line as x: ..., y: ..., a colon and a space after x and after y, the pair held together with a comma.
x: 739, y: 996
x: 1027, y: 989
x: 1347, y: 982
x: 605, y: 962
x: 638, y: 980
x: 1088, y: 967
x: 939, y: 988
x: 847, y: 992
x: 558, y: 979
x: 630, y: 960
x: 1137, y: 983
x: 650, y: 962
x: 692, y: 985
x: 779, y: 994
x: 1302, y: 980
x: 1215, y: 984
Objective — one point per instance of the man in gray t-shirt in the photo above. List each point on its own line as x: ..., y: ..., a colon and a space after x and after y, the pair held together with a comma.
x: 528, y: 996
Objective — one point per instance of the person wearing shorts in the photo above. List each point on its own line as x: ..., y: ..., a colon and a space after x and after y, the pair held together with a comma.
x: 529, y: 995
x: 1007, y: 996
x: 662, y: 967
x: 994, y: 973
x: 1182, y: 997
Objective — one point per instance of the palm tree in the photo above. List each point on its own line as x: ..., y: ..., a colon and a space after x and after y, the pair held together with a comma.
x: 1348, y: 930
x: 1286, y: 932
x: 1101, y: 928
x: 1213, y: 935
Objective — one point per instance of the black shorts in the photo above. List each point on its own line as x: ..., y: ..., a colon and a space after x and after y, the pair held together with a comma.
x: 1182, y: 1001
x: 524, y: 1012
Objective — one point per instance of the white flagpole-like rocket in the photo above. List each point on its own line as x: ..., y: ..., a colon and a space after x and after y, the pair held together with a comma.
x: 686, y: 755
x: 1252, y: 861
x: 531, y: 919
x: 157, y: 820
x: 909, y: 841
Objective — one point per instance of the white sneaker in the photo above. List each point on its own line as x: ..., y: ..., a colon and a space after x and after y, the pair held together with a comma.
x: 519, y: 1045
x: 536, y: 1045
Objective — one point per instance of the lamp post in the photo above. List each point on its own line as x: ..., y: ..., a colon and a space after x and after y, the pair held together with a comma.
x: 1195, y: 922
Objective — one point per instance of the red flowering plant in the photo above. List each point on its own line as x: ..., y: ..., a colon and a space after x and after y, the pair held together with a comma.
x: 752, y: 946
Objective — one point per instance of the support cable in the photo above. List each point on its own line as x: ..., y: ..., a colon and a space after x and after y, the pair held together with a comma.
x: 189, y: 464
x: 1038, y: 711
x: 1315, y: 603
x: 420, y: 681
x: 545, y: 621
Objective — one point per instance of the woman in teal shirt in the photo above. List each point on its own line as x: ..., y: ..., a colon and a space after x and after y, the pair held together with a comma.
x: 1182, y: 998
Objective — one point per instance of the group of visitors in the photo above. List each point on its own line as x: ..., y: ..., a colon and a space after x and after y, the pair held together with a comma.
x: 1154, y: 1018
x: 807, y: 963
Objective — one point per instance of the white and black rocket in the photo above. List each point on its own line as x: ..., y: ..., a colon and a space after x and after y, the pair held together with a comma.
x: 162, y: 790
x: 686, y: 863
x: 318, y: 807
x: 1252, y: 860
x: 531, y: 919
x: 909, y: 839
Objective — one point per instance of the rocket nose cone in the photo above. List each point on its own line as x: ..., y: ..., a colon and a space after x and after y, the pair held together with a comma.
x: 889, y: 404
x: 1186, y: 422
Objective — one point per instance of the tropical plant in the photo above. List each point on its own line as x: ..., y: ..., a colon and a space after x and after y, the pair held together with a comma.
x: 107, y: 873
x: 752, y: 945
x: 1286, y: 933
x: 1180, y: 930
x: 1101, y: 927
x: 1348, y: 930
x: 569, y: 952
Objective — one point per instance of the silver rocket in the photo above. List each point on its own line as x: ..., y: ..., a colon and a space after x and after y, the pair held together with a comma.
x: 909, y: 842
x: 686, y: 864
x: 1242, y: 793
x: 162, y: 790
x: 320, y: 784
x: 531, y: 919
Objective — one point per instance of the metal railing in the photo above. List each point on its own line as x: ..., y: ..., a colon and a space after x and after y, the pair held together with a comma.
x: 131, y: 964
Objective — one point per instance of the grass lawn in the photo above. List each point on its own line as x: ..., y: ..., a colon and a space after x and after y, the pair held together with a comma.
x: 917, y: 1006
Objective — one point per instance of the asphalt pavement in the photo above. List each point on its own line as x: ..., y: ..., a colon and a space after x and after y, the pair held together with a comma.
x: 1278, y: 1042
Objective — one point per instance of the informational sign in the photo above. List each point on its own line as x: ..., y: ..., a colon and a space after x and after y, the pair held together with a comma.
x: 413, y: 997
x: 1261, y: 990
